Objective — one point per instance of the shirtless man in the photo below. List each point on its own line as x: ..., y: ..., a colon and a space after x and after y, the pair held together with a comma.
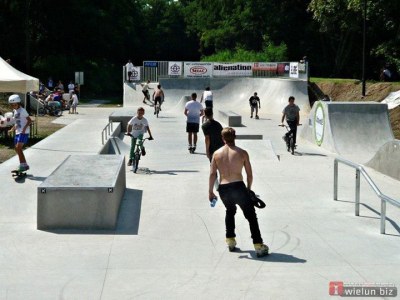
x: 229, y: 160
x: 158, y: 97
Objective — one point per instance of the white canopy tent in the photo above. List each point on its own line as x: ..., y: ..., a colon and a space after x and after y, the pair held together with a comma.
x: 14, y: 81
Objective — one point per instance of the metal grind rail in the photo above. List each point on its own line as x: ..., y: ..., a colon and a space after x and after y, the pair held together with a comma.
x: 361, y: 171
x: 106, y: 132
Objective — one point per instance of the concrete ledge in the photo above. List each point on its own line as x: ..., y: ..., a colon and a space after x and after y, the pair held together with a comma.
x: 122, y: 116
x: 231, y: 118
x: 249, y: 136
x: 84, y: 192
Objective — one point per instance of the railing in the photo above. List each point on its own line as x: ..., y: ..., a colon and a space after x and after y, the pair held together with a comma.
x: 106, y: 132
x: 361, y: 170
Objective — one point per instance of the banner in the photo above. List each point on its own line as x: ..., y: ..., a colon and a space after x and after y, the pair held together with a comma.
x: 270, y: 67
x: 294, y: 70
x: 150, y: 64
x: 174, y: 68
x: 235, y: 69
x: 135, y: 74
x: 198, y: 69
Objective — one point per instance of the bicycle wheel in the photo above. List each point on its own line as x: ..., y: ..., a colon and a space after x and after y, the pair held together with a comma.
x: 57, y: 112
x: 135, y: 163
x: 292, y: 145
x: 41, y: 111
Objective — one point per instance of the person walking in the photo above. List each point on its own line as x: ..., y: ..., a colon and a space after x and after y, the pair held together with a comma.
x: 292, y: 115
x: 212, y: 133
x: 254, y: 105
x: 137, y: 127
x: 193, y: 111
x: 21, y: 129
x: 229, y: 161
x: 207, y: 97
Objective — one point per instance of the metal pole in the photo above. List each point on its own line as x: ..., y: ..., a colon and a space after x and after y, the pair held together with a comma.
x: 335, y: 180
x: 357, y: 192
x: 363, y: 47
x: 383, y: 216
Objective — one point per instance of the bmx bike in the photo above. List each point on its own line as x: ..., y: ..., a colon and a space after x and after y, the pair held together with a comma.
x: 290, y: 145
x: 138, y: 152
x: 52, y: 108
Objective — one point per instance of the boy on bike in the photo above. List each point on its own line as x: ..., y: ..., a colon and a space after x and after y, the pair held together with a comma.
x: 137, y: 127
x: 21, y: 129
x: 158, y: 97
x: 291, y: 112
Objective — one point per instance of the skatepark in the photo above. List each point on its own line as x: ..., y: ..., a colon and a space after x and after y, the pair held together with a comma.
x: 168, y: 242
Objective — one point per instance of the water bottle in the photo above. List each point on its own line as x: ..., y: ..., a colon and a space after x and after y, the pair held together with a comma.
x: 213, y: 201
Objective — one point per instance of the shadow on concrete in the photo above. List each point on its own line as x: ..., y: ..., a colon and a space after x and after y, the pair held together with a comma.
x: 393, y: 223
x: 272, y: 257
x: 308, y: 154
x: 172, y: 172
x: 128, y: 217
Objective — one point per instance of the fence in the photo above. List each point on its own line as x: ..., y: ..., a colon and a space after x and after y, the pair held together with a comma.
x: 153, y: 70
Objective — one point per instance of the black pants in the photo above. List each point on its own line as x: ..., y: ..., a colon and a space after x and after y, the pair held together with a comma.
x: 236, y: 193
x: 293, y: 129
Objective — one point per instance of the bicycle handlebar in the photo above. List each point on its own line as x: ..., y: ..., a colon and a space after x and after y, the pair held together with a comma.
x: 150, y: 138
x: 283, y: 125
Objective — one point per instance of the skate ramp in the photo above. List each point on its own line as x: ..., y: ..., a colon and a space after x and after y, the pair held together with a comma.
x: 133, y: 95
x: 234, y: 93
x: 387, y: 159
x: 229, y: 93
x: 354, y: 130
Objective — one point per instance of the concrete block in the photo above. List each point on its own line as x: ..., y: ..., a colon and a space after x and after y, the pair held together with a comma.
x: 122, y: 116
x: 84, y: 192
x: 231, y: 118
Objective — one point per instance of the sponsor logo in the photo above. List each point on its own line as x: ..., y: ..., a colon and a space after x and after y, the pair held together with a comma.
x: 342, y: 289
x: 198, y: 70
x: 237, y: 67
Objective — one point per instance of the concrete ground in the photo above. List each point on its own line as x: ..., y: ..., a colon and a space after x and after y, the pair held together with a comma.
x: 170, y: 244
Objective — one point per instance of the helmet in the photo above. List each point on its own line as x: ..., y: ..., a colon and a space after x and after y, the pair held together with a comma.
x: 14, y: 99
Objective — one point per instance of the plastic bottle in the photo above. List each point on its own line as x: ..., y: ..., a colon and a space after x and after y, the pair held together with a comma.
x: 213, y: 201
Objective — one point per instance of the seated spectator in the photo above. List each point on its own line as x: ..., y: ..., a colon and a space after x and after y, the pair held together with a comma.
x: 60, y: 86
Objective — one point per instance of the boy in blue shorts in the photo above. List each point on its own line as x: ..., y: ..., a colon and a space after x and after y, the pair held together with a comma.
x: 21, y: 129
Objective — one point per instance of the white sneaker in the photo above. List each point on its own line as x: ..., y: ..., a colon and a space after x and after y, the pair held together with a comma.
x: 261, y: 250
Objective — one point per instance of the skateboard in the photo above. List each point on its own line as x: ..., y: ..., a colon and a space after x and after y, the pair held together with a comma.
x: 18, y: 174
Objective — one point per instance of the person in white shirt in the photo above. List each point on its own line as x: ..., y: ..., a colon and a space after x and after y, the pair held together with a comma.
x: 145, y: 90
x: 71, y: 87
x: 21, y: 129
x: 74, y: 103
x: 193, y: 111
x: 129, y: 69
x: 207, y: 96
x: 137, y: 127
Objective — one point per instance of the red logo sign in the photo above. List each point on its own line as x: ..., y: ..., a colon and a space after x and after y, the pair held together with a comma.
x: 336, y: 288
x: 198, y: 70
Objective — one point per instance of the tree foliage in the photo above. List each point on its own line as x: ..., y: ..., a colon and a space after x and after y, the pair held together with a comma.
x: 98, y: 36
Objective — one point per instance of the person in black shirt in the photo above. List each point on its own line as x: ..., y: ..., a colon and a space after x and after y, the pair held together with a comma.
x: 254, y: 105
x: 212, y: 133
